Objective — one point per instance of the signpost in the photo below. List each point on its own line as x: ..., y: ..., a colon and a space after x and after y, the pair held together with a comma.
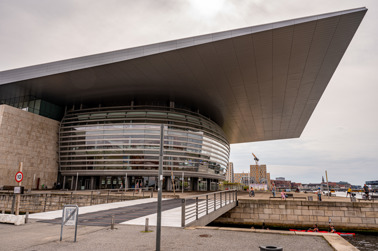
x: 19, y: 177
x: 69, y: 218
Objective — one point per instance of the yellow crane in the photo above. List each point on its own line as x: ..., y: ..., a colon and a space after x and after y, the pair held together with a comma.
x: 256, y: 159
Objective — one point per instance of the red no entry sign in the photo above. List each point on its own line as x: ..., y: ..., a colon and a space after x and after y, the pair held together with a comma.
x: 19, y: 176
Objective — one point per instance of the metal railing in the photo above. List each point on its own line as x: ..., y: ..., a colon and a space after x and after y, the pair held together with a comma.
x: 195, y: 207
x: 55, y: 200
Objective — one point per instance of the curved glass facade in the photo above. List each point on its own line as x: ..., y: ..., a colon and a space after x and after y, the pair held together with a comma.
x: 128, y: 138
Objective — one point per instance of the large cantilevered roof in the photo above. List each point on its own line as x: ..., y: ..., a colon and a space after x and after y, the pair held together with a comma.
x: 258, y: 83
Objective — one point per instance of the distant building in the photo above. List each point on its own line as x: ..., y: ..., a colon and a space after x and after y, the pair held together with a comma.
x: 295, y: 185
x: 259, y: 174
x: 372, y: 184
x: 313, y: 186
x: 343, y: 185
x: 230, y: 173
x: 241, y: 178
x: 280, y: 178
x: 282, y: 183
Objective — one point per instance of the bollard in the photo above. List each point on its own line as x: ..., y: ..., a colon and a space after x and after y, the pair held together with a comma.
x: 27, y: 217
x: 112, y: 224
x: 146, y: 226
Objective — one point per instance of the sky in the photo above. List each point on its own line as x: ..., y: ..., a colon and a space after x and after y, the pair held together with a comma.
x: 342, y: 133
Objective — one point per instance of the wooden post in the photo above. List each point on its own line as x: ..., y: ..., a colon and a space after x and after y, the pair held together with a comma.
x: 18, y: 196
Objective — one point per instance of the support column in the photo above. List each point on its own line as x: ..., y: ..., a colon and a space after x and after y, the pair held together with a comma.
x: 194, y: 184
x: 72, y: 182
x: 92, y: 182
x: 169, y: 183
x: 128, y: 182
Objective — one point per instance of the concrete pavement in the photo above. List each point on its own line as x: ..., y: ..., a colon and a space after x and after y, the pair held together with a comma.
x: 45, y: 236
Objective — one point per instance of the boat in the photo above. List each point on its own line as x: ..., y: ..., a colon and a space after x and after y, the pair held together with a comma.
x: 323, y: 232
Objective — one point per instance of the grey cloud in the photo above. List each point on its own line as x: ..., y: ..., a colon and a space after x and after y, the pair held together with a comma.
x: 39, y: 31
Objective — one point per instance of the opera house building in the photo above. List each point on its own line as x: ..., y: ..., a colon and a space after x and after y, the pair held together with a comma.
x: 94, y: 122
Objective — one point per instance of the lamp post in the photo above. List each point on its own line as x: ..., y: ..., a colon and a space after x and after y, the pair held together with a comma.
x: 160, y: 188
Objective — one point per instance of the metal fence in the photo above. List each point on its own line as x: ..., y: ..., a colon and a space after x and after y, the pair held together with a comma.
x: 195, y: 207
x: 54, y: 200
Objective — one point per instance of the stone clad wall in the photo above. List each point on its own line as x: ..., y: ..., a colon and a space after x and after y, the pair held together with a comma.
x: 303, y: 214
x: 29, y: 138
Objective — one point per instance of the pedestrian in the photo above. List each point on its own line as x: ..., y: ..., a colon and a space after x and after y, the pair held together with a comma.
x: 283, y: 195
x: 366, y: 191
x: 349, y: 192
x: 137, y: 187
x: 319, y: 192
x: 251, y: 192
x: 315, y: 229
x: 274, y: 190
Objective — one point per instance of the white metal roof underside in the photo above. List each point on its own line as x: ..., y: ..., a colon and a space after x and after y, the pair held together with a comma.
x: 258, y: 83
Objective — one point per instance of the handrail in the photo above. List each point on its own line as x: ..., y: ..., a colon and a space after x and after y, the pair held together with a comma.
x: 205, y: 204
x: 194, y: 196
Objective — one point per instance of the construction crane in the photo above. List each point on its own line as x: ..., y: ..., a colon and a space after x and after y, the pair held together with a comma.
x: 262, y: 179
x: 256, y: 159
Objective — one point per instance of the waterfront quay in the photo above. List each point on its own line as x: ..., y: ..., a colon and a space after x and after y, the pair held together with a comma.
x: 300, y: 212
x: 94, y: 230
x: 45, y: 236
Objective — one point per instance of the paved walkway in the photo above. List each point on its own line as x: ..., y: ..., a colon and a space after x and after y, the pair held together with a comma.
x: 90, y: 209
x: 45, y: 236
x: 123, y: 214
x: 131, y: 212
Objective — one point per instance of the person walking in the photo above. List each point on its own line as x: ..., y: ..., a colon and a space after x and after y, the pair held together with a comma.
x: 366, y: 191
x: 349, y: 192
x: 319, y: 192
x: 137, y: 187
x: 251, y: 192
x: 283, y: 194
x: 274, y: 190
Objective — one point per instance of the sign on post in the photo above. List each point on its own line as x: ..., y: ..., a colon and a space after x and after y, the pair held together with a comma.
x: 69, y: 218
x: 19, y: 176
x: 18, y: 190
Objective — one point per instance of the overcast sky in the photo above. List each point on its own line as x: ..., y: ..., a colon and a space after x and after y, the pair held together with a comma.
x: 342, y: 134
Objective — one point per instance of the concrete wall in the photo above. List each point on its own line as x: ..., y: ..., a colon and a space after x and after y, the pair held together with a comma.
x: 29, y: 138
x: 303, y: 214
